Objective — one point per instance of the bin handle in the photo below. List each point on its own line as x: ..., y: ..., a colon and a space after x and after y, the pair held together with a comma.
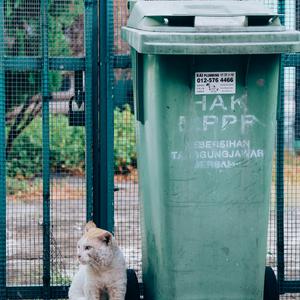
x: 279, y: 114
x: 139, y: 88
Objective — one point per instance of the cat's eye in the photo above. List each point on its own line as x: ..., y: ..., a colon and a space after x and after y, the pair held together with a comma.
x: 87, y: 247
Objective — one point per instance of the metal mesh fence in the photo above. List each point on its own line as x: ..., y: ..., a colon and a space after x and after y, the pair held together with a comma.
x: 291, y: 160
x: 66, y: 28
x: 68, y: 188
x: 22, y: 28
x: 45, y: 144
x: 288, y: 210
x: 68, y: 138
x: 25, y: 98
x: 291, y: 156
x: 24, y: 184
x: 127, y: 207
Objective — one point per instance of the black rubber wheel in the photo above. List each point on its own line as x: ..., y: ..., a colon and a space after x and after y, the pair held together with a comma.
x: 133, y: 288
x: 271, y: 291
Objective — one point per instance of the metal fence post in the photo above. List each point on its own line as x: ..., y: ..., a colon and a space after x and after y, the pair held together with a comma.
x: 103, y: 204
x: 89, y: 9
x: 46, y: 151
x: 2, y: 161
x: 297, y: 87
x: 280, y: 165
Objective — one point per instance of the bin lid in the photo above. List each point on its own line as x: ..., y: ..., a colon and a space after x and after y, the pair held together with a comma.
x: 207, y: 27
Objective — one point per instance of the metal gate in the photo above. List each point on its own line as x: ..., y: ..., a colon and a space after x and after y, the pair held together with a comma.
x: 48, y: 69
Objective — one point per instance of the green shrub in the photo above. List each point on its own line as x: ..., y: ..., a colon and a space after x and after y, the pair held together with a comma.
x: 124, y: 139
x: 67, y: 146
x: 25, y: 158
x: 20, y: 187
x: 67, y: 150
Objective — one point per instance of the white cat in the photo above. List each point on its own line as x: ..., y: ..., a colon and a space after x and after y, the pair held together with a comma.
x: 102, y: 270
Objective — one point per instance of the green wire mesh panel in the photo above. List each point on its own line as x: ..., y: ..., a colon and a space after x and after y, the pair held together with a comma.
x: 23, y: 164
x: 66, y: 28
x: 22, y: 28
x: 67, y: 141
x: 127, y: 207
x: 285, y: 180
x: 67, y: 188
x: 291, y: 157
x: 23, y: 183
x: 46, y: 141
x: 126, y: 204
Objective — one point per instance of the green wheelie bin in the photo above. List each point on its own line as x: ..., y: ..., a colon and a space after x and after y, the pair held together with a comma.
x: 206, y: 77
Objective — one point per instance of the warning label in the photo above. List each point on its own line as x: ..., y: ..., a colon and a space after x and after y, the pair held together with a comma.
x: 207, y: 83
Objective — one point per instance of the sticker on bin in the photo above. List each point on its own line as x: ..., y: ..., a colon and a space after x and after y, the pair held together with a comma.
x: 207, y: 83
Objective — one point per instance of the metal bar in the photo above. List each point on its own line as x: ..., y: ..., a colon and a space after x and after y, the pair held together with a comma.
x: 297, y: 87
x: 36, y: 292
x: 35, y: 63
x: 280, y: 182
x: 280, y: 165
x: 67, y: 63
x: 292, y: 60
x: 290, y: 287
x: 46, y: 152
x: 2, y: 162
x: 21, y: 63
x: 104, y: 216
x: 32, y: 63
x: 122, y: 61
x: 89, y: 8
x: 110, y: 115
x: 281, y: 11
x: 100, y: 206
x: 95, y: 120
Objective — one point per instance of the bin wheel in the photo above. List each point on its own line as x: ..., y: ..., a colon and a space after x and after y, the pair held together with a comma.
x: 133, y: 288
x: 271, y: 286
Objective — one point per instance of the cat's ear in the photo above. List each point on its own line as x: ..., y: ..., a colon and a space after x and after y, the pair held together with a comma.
x: 106, y: 238
x: 89, y: 225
